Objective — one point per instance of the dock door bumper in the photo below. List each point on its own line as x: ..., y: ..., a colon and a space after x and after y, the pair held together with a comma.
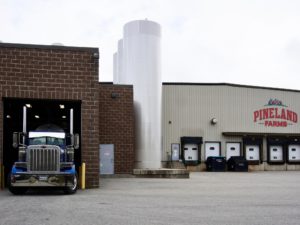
x: 42, y: 180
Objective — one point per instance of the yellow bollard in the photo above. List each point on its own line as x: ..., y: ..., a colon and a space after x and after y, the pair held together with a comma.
x: 83, y: 176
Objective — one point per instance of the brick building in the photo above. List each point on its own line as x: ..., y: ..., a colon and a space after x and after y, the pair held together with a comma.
x: 116, y: 118
x: 47, y: 76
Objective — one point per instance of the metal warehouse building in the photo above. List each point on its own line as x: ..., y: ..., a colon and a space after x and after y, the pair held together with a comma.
x: 202, y: 120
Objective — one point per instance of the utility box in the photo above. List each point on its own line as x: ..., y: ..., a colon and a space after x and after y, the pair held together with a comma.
x: 238, y: 164
x: 216, y: 164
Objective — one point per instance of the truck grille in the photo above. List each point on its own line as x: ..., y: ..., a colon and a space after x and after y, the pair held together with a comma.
x: 43, y: 158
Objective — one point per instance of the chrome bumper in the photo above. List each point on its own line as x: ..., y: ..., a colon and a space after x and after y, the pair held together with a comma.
x: 42, y: 180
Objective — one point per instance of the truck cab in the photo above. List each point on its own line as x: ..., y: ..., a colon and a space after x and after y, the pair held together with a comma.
x: 45, y: 159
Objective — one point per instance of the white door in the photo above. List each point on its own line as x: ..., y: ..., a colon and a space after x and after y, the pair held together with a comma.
x: 233, y: 149
x: 190, y: 152
x: 276, y: 153
x: 212, y: 149
x: 294, y: 153
x: 106, y: 159
x: 252, y: 152
x: 175, y: 152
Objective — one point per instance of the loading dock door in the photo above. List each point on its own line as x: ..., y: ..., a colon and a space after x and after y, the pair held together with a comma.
x: 294, y: 153
x: 190, y: 152
x: 233, y: 149
x: 107, y: 159
x: 252, y: 152
x: 212, y: 149
x: 276, y: 153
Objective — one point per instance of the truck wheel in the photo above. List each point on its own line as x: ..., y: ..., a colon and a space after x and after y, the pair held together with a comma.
x: 15, y: 190
x: 72, y: 189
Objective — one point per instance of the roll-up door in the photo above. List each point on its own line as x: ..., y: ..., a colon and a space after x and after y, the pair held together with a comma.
x: 294, y: 153
x: 276, y: 150
x: 233, y: 149
x: 276, y: 153
x: 212, y: 149
x: 190, y: 152
x: 252, y: 152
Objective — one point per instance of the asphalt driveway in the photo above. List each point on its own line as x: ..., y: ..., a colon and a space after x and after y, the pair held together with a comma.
x: 206, y: 198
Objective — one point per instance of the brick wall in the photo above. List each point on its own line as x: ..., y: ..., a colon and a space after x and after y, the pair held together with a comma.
x: 116, y: 119
x: 56, y: 72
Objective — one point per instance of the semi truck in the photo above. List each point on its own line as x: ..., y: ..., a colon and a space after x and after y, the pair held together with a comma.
x: 45, y: 158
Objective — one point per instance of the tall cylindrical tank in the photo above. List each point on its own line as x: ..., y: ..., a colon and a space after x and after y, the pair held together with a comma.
x: 141, y: 58
x: 115, y: 68
x: 118, y: 77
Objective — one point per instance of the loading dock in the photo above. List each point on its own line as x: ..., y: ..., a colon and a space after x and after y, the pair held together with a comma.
x: 191, y: 150
x: 293, y: 150
x: 252, y: 149
x: 294, y: 153
x: 212, y: 149
x: 252, y: 152
x: 276, y: 150
x: 39, y: 112
x: 233, y: 149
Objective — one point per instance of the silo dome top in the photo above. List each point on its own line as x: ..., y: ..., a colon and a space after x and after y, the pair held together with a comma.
x: 142, y: 27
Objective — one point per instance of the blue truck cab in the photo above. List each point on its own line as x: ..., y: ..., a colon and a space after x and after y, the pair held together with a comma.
x: 45, y: 159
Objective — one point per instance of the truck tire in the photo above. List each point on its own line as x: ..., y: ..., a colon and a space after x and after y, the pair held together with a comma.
x: 73, y: 189
x: 15, y: 190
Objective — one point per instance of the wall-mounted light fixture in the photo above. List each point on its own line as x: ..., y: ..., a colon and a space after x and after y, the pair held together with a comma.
x: 96, y: 55
x: 114, y: 95
x: 37, y: 116
x: 213, y: 121
x: 28, y: 105
x: 61, y: 106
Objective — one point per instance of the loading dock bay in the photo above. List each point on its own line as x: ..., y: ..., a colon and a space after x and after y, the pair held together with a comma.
x: 39, y: 112
x: 269, y: 198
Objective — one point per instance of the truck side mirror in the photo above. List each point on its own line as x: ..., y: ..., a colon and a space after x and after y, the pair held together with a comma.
x: 76, y: 141
x: 16, y: 140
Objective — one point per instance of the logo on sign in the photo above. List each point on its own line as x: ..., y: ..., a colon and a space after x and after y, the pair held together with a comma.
x: 275, y: 114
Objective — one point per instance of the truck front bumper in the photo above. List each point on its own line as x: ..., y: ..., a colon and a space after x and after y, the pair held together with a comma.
x: 43, y: 180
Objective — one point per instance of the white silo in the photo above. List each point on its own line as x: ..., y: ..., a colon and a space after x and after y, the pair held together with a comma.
x: 115, y: 68
x: 141, y: 66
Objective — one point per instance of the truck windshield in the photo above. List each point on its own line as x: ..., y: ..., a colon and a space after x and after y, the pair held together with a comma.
x: 47, y: 138
x: 47, y: 141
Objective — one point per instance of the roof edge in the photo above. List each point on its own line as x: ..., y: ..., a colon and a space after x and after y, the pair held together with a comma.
x: 230, y: 85
x: 107, y: 83
x: 58, y: 47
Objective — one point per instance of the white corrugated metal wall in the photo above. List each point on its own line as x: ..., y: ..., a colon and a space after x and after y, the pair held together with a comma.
x: 189, y: 108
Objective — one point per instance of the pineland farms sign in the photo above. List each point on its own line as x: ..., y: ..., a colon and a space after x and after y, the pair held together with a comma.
x: 275, y: 114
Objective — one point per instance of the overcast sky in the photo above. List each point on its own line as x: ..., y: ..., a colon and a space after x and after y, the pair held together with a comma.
x: 254, y: 42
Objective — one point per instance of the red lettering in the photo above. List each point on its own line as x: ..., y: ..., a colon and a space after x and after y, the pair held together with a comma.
x: 265, y: 114
x: 277, y: 115
x: 289, y: 115
x: 256, y: 114
x: 275, y: 123
x: 271, y: 113
x: 283, y: 116
x: 295, y: 118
